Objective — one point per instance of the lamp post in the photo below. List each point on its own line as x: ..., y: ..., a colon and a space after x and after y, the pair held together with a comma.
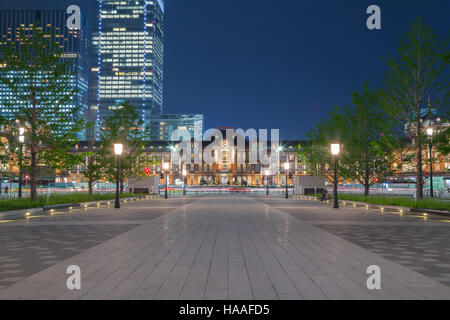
x: 286, y: 168
x: 21, y: 141
x: 430, y: 133
x: 335, y: 149
x: 184, y: 181
x: 118, y: 149
x: 166, y: 170
x: 267, y: 173
x: 279, y: 150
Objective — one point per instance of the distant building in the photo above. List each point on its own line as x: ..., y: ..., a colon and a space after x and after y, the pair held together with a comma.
x: 163, y: 126
x: 128, y: 56
x: 74, y: 42
x: 234, y: 173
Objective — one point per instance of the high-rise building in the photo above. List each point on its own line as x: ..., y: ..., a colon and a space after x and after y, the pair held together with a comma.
x: 75, y: 44
x: 163, y: 126
x: 128, y: 56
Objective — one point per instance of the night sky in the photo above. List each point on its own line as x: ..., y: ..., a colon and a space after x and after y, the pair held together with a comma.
x: 273, y: 63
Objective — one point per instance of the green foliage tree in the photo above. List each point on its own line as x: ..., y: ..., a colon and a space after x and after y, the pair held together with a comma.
x: 92, y: 167
x: 124, y: 126
x: 367, y: 137
x: 442, y: 140
x: 417, y: 77
x: 40, y: 82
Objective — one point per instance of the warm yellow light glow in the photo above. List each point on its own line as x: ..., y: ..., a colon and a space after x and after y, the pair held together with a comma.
x: 166, y: 166
x: 118, y: 149
x: 184, y: 172
x: 286, y: 166
x: 21, y: 131
x: 335, y: 149
x: 430, y: 131
x: 267, y: 172
x: 21, y: 139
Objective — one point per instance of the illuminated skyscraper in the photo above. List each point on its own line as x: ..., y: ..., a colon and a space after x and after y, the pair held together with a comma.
x: 128, y: 56
x: 75, y: 44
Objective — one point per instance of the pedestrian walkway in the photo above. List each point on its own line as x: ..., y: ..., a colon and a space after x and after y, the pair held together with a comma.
x: 227, y: 247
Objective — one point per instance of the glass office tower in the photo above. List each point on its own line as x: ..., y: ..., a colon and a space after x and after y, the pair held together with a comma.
x: 163, y: 126
x: 74, y: 42
x: 128, y: 56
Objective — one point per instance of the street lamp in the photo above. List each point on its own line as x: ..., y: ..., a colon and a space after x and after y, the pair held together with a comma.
x: 335, y: 149
x: 430, y: 133
x: 118, y: 149
x: 166, y: 169
x: 267, y: 174
x: 184, y: 181
x: 21, y: 141
x: 279, y: 150
x: 286, y: 168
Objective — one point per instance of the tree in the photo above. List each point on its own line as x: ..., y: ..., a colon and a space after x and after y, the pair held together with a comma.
x: 124, y: 126
x: 367, y: 136
x: 417, y: 77
x: 40, y: 87
x: 92, y: 168
x: 442, y: 140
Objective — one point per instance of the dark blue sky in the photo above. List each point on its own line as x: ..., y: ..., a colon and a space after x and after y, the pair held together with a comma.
x: 273, y: 63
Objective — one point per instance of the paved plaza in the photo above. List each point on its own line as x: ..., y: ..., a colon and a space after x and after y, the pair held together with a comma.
x: 225, y: 247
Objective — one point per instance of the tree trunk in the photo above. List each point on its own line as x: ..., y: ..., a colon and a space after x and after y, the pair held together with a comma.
x: 90, y: 184
x: 90, y: 175
x: 33, y: 150
x: 419, y: 183
x: 366, y: 172
x: 366, y: 189
x: 33, y: 167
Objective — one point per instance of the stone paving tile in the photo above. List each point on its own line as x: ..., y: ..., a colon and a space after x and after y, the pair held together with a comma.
x: 420, y: 244
x: 35, y: 244
x: 227, y: 247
